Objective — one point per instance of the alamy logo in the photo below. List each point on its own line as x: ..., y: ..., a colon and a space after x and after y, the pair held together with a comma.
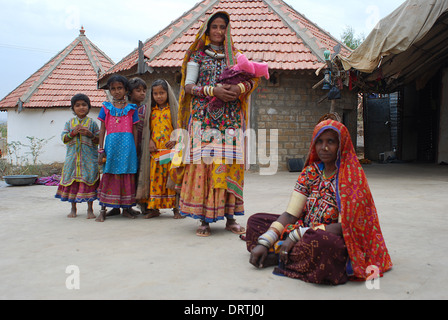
x: 373, y: 280
x: 73, y: 280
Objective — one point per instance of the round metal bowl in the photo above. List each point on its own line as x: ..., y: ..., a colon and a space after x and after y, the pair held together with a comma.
x: 20, y: 180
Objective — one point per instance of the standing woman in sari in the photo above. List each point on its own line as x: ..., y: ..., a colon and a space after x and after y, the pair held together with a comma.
x: 330, y: 232
x: 212, y: 182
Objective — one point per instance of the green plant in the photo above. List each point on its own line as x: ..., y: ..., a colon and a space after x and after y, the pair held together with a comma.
x: 13, y: 152
x: 36, y: 146
x: 19, y: 163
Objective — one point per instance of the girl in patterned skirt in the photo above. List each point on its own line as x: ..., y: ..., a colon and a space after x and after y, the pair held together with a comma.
x: 118, y: 150
x: 80, y: 175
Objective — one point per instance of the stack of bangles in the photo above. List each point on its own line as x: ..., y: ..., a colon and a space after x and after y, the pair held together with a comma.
x: 208, y: 91
x: 269, y: 238
x: 297, y: 234
x: 242, y: 87
x: 202, y: 91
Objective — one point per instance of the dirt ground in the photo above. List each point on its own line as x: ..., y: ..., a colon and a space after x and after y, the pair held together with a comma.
x: 42, y: 251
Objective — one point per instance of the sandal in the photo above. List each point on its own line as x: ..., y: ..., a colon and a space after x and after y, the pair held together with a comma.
x: 203, y: 231
x: 235, y: 228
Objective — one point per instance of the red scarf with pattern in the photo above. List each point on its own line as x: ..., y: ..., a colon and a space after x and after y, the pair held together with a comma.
x: 360, y: 225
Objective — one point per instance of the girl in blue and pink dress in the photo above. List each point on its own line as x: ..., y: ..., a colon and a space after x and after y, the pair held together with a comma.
x: 117, y: 151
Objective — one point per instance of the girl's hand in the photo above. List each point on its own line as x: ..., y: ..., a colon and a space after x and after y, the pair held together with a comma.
x: 286, y: 249
x: 101, y: 158
x: 170, y: 144
x: 152, y: 146
x: 76, y: 131
x: 85, y: 132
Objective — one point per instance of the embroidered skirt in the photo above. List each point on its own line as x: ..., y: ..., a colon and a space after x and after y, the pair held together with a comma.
x: 204, y: 194
x: 117, y: 190
x: 77, y: 192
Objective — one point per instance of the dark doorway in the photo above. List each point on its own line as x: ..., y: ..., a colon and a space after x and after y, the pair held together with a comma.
x: 377, y: 126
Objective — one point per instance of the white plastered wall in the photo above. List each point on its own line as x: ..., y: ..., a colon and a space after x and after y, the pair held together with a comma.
x: 42, y: 124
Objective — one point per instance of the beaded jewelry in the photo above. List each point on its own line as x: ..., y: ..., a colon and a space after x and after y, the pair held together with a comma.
x: 212, y: 51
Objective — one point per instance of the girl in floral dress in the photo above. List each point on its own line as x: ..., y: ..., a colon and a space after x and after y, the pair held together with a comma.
x: 158, y: 127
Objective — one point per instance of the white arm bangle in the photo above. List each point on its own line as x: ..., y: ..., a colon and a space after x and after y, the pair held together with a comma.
x: 264, y: 243
x: 302, y: 231
x: 297, y: 234
x: 296, y: 204
x: 294, y: 235
x: 192, y: 73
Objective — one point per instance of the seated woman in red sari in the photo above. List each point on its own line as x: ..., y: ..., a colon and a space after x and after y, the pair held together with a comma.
x: 330, y: 232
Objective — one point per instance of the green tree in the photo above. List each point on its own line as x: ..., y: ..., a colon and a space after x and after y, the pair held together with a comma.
x: 350, y: 39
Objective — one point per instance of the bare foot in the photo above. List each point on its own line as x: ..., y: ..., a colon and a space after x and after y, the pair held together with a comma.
x: 102, y: 216
x: 113, y: 212
x: 128, y: 214
x: 90, y: 214
x: 152, y: 213
x: 73, y: 211
x: 134, y: 212
x: 177, y: 214
x: 72, y: 214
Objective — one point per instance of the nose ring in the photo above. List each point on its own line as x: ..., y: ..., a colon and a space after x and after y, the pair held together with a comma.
x: 326, y: 148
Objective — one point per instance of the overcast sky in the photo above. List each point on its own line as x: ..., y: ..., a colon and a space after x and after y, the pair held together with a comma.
x: 34, y: 31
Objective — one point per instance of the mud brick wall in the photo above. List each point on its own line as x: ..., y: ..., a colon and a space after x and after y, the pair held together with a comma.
x: 291, y: 106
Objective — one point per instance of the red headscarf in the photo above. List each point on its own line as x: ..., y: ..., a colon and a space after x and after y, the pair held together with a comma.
x: 359, y: 218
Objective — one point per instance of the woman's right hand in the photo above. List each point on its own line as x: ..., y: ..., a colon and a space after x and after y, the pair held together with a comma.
x: 258, y: 255
x: 225, y: 93
x: 285, y: 249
